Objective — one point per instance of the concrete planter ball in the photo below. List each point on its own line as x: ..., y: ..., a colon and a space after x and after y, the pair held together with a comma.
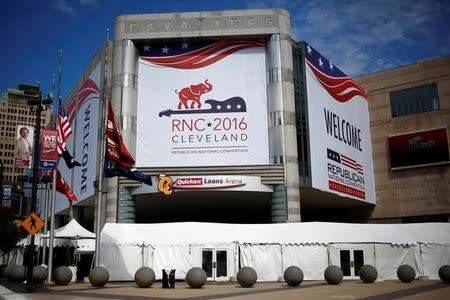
x: 98, y: 276
x: 62, y: 275
x: 368, y: 274
x: 39, y: 274
x: 333, y: 275
x: 196, y: 278
x: 16, y: 273
x: 444, y: 273
x: 144, y: 277
x: 293, y: 276
x: 406, y: 273
x: 247, y: 277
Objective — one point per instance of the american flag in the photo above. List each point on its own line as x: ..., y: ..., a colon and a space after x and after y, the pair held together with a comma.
x: 64, y: 129
x: 338, y: 85
x: 345, y: 160
x: 194, y: 54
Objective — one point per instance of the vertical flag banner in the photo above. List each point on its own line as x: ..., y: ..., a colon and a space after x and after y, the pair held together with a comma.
x: 6, y: 196
x: 49, y: 152
x: 24, y: 146
x: 339, y: 131
x: 87, y: 123
x: 202, y: 103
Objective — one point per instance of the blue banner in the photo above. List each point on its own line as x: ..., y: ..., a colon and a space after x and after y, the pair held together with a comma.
x: 6, y: 195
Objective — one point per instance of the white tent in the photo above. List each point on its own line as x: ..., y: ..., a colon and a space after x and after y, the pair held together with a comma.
x: 271, y: 248
x: 72, y: 230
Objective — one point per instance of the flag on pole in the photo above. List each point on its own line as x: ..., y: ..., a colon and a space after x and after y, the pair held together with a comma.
x: 118, y: 161
x: 116, y: 149
x: 64, y: 131
x: 63, y: 188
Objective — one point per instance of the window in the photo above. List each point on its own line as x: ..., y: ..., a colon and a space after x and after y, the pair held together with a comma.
x: 414, y: 100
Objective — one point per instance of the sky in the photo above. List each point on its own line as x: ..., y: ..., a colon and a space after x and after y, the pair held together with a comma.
x: 359, y: 36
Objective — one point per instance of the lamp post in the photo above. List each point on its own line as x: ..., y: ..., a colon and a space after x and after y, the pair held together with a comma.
x: 40, y: 105
x: 1, y: 184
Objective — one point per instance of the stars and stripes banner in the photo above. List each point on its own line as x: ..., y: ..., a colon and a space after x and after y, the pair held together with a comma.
x: 339, y: 132
x: 194, y: 55
x: 338, y: 85
x: 202, y: 103
x: 345, y: 160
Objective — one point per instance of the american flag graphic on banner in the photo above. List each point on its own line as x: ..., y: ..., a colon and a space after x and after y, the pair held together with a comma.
x: 345, y: 160
x: 338, y: 85
x: 64, y: 129
x: 194, y: 55
x: 89, y: 90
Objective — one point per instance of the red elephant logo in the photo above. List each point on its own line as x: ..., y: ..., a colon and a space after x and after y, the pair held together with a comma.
x: 192, y: 93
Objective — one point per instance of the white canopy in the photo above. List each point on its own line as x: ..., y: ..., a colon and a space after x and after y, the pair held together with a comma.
x: 72, y: 230
x: 307, y: 233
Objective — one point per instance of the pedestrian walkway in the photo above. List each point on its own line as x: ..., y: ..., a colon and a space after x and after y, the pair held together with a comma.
x: 261, y: 291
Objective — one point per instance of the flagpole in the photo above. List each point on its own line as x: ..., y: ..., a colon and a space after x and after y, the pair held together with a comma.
x: 98, y: 222
x: 52, y: 215
x: 47, y: 186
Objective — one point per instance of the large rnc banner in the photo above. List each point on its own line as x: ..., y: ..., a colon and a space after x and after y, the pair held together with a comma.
x: 202, y: 104
x: 339, y: 132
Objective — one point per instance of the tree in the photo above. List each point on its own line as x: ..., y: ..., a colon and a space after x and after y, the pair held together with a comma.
x: 10, y: 234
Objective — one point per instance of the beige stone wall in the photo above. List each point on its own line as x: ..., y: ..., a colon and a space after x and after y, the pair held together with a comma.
x: 415, y: 191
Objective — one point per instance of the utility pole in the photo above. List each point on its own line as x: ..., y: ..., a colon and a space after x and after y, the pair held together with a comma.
x: 40, y: 105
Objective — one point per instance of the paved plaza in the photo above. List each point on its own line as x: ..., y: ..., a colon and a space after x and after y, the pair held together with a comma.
x: 394, y: 289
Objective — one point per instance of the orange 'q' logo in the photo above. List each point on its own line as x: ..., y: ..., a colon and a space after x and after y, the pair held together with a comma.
x: 165, y: 184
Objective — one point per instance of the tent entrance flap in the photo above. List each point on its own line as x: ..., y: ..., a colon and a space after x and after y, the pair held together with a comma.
x: 351, y: 261
x: 214, y: 263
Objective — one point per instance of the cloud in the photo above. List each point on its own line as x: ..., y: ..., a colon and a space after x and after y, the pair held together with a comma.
x: 367, y: 36
x: 64, y: 7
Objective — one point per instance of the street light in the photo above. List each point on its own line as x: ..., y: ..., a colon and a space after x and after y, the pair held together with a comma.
x: 41, y: 105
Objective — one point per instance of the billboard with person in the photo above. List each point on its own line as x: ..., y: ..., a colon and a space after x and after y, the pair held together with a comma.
x: 23, y: 150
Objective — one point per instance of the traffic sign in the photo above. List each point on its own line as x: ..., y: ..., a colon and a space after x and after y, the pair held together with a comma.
x: 32, y: 223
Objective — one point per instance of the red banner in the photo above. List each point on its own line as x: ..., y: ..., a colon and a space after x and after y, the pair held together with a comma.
x: 335, y: 186
x: 49, y: 154
x: 419, y: 148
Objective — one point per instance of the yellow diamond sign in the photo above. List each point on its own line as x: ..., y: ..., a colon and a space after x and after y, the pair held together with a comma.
x: 32, y: 223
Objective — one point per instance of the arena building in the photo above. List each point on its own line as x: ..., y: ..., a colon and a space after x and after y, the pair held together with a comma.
x: 247, y: 126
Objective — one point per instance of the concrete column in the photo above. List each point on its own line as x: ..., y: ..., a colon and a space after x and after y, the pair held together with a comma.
x: 282, y: 127
x: 124, y: 102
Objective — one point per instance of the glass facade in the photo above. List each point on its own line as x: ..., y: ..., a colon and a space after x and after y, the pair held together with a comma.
x: 414, y: 100
x: 301, y: 114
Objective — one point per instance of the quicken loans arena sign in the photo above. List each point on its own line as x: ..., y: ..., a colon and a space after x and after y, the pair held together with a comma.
x: 339, y: 132
x: 202, y: 104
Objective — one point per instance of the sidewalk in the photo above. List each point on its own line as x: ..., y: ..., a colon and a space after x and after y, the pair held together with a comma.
x: 262, y: 291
